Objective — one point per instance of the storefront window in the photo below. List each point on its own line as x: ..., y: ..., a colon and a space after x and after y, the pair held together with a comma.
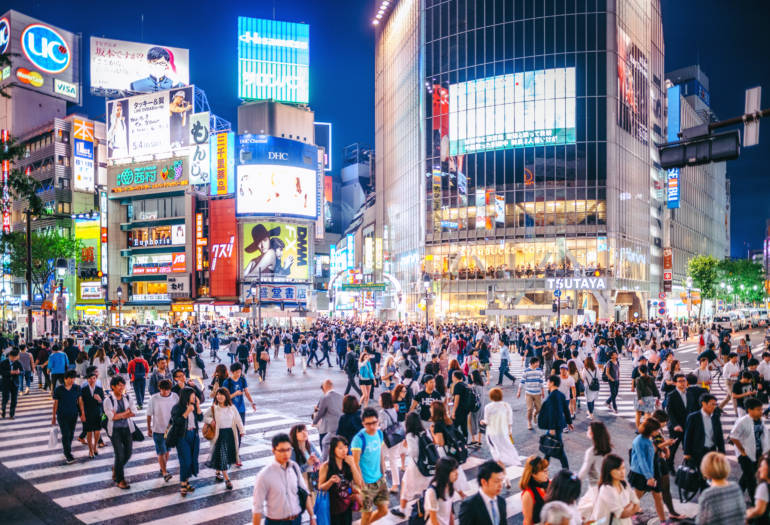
x: 157, y: 236
x: 149, y: 291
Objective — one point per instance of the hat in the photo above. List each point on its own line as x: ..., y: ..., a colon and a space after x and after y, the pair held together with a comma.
x: 258, y: 234
x: 178, y: 94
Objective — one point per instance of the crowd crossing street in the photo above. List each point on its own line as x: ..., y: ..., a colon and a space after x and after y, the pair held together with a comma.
x: 284, y: 385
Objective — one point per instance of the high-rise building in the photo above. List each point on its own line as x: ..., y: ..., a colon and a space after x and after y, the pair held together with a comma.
x: 697, y: 212
x: 516, y: 156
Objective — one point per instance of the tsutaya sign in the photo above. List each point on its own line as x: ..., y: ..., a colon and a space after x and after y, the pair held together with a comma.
x: 577, y: 283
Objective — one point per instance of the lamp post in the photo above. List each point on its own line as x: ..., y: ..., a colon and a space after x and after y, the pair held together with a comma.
x: 3, y: 294
x: 120, y: 297
x: 426, y: 286
x: 61, y: 269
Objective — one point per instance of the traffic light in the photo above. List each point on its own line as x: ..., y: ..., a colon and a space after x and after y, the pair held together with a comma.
x: 553, y: 307
x: 701, y: 150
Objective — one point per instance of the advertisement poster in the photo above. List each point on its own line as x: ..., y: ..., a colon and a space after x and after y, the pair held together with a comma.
x: 151, y: 175
x: 87, y: 232
x: 500, y: 210
x: 83, y: 153
x: 43, y: 57
x: 223, y: 248
x: 120, y: 68
x: 222, y: 169
x: 199, y: 153
x: 633, y: 88
x: 149, y: 124
x: 276, y: 251
x: 273, y: 60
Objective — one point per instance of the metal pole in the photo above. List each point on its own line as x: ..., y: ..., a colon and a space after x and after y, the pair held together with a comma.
x: 558, y: 312
x: 59, y: 321
x: 259, y: 297
x: 29, y: 275
x: 426, y: 310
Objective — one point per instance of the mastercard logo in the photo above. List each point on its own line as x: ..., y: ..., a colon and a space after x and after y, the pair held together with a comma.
x: 32, y: 78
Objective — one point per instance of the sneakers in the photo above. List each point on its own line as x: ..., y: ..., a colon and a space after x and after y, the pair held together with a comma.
x: 398, y: 512
x: 70, y: 460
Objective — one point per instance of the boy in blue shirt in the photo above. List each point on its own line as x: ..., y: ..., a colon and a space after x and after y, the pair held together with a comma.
x: 368, y: 453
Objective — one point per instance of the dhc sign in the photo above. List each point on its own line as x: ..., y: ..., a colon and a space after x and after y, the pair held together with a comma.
x: 577, y: 283
x: 45, y: 48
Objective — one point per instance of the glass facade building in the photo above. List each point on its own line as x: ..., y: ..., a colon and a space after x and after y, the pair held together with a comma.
x: 537, y: 122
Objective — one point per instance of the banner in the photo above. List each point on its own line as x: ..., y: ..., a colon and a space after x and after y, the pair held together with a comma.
x: 223, y: 248
x: 222, y: 169
x: 276, y: 251
x: 633, y: 88
x: 83, y: 153
x: 120, y: 68
x: 143, y: 176
x: 150, y: 124
x: 199, y: 155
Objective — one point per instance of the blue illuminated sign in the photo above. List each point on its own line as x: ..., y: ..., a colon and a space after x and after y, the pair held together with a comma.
x: 672, y: 188
x: 45, y: 49
x: 674, y: 110
x: 266, y: 149
x: 273, y: 60
x: 5, y: 34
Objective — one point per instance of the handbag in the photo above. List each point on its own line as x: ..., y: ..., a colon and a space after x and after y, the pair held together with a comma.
x: 343, y: 499
x: 302, y: 494
x: 53, y: 437
x: 550, y: 446
x: 137, y: 434
x: 689, y: 481
x: 321, y: 508
x: 210, y: 429
x: 393, y: 433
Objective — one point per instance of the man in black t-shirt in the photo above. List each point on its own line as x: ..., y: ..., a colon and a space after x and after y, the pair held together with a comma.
x: 67, y: 406
x: 242, y: 353
x: 460, y: 394
x: 742, y: 390
x: 425, y: 398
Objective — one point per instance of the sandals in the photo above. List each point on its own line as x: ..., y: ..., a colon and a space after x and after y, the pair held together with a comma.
x: 123, y: 485
x: 183, y: 490
x: 166, y: 477
x: 229, y: 485
x: 218, y: 478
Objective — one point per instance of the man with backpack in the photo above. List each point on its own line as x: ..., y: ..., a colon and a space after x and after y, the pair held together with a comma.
x: 368, y: 452
x: 351, y: 369
x: 137, y: 371
x: 425, y: 398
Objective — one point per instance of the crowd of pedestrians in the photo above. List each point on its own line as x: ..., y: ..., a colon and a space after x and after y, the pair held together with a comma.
x: 416, y: 404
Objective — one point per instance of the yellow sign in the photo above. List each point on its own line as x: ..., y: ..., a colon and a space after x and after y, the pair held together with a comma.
x: 182, y: 307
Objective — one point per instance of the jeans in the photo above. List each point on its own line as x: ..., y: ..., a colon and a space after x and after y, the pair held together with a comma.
x: 325, y: 355
x: 67, y: 428
x: 561, y: 457
x: 748, y: 481
x: 139, y: 384
x: 504, y: 372
x: 187, y: 450
x: 25, y: 376
x: 10, y: 393
x: 590, y: 406
x: 245, y: 365
x: 613, y: 395
x: 295, y: 521
x: 352, y: 384
x: 41, y: 373
x: 56, y: 378
x: 122, y: 446
x: 461, y: 422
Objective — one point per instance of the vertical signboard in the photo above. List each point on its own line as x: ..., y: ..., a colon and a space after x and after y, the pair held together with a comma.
x: 199, y: 152
x: 668, y: 269
x: 200, y: 242
x: 88, y: 233
x: 351, y: 248
x: 222, y: 170
x: 672, y: 188
x: 103, y: 226
x: 672, y: 135
x: 223, y: 248
x: 5, y: 137
x: 83, y: 153
x: 320, y: 202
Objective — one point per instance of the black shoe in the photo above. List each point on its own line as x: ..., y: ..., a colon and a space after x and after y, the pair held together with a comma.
x: 397, y: 512
x: 70, y: 460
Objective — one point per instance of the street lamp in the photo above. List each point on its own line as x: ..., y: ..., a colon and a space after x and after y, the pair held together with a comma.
x: 120, y: 297
x: 61, y: 270
x: 426, y: 285
x: 3, y: 294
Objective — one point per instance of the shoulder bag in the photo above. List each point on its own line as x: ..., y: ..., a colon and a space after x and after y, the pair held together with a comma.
x: 210, y: 429
x: 394, y: 433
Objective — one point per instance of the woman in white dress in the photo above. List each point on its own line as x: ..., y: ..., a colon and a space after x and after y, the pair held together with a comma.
x: 102, y: 364
x: 616, y: 502
x: 592, y: 465
x: 413, y: 482
x: 498, y: 417
x: 441, y: 493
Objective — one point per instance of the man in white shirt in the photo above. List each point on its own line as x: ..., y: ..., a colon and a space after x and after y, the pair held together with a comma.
x: 158, y: 417
x: 751, y: 440
x: 731, y: 373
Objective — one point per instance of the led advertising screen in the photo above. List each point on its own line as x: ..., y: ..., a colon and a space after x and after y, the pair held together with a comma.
x: 222, y: 169
x: 531, y: 108
x: 43, y: 57
x: 151, y: 175
x: 150, y: 124
x: 223, y: 248
x: 87, y: 232
x: 83, y: 153
x: 275, y: 251
x: 633, y: 89
x: 273, y: 60
x: 120, y: 68
x: 276, y: 176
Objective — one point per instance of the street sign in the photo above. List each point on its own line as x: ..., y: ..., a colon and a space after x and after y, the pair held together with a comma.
x: 557, y: 293
x: 662, y: 295
x: 371, y: 287
x: 751, y: 127
x: 662, y: 311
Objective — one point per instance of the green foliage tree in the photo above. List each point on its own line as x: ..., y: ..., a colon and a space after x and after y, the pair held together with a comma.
x: 47, y: 247
x: 744, y: 281
x: 703, y: 270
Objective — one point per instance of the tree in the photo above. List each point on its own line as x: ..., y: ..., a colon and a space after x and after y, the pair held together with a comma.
x: 703, y: 270
x: 47, y: 247
x: 744, y: 281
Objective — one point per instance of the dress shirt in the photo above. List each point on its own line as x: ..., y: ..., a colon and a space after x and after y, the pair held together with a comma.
x: 489, y: 503
x: 708, y: 430
x: 275, y: 491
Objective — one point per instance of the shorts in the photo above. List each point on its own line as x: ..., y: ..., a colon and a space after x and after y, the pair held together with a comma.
x: 160, y: 443
x: 646, y: 404
x: 366, y: 382
x: 485, y: 367
x: 374, y: 494
x: 639, y: 482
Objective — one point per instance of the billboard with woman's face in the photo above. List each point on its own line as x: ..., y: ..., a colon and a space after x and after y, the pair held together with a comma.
x: 275, y: 251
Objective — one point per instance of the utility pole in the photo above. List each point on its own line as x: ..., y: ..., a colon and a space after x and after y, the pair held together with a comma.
x: 259, y: 297
x: 28, y: 213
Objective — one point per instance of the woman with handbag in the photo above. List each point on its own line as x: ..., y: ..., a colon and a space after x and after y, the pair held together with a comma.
x: 186, y: 415
x: 93, y: 396
x: 341, y: 479
x: 305, y: 455
x: 591, y: 381
x: 221, y: 424
x: 393, y: 436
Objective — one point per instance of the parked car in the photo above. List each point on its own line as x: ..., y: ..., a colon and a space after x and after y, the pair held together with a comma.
x: 739, y: 320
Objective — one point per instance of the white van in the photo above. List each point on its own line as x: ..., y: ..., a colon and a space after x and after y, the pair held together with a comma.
x: 739, y: 320
x: 723, y: 322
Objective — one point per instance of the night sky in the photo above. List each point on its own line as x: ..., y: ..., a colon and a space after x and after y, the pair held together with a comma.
x: 730, y: 41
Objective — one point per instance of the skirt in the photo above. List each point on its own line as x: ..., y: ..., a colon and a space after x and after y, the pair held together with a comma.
x: 92, y: 423
x: 502, y: 450
x: 289, y: 359
x: 413, y: 483
x: 223, y: 454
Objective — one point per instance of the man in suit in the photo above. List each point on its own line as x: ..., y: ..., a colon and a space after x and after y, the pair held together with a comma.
x: 554, y: 416
x: 676, y: 408
x: 328, y: 412
x: 703, y: 431
x: 486, y: 507
x: 694, y: 393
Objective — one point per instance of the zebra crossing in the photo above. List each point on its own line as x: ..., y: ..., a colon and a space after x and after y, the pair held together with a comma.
x: 85, y: 490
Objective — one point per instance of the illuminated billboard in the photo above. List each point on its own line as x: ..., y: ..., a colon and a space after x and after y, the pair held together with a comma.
x: 150, y: 124
x: 276, y: 176
x: 120, y: 68
x: 530, y: 108
x: 323, y: 139
x: 222, y: 170
x: 273, y: 60
x: 151, y: 175
x: 633, y: 88
x: 83, y: 153
x: 223, y: 248
x: 43, y: 57
x: 275, y: 251
x: 87, y: 232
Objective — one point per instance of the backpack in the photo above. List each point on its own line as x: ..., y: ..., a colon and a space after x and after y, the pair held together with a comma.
x: 419, y: 516
x: 139, y: 370
x: 351, y: 364
x: 427, y: 455
x: 455, y: 444
x: 471, y: 401
x: 594, y: 385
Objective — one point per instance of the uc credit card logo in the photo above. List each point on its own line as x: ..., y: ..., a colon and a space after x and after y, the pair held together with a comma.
x: 5, y: 34
x: 45, y: 48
